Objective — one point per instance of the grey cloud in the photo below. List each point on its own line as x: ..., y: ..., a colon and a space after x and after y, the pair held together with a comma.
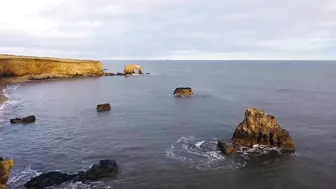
x: 149, y: 29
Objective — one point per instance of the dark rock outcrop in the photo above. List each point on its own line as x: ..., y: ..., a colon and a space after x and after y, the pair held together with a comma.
x: 48, y: 179
x: 28, y: 119
x: 119, y: 74
x: 183, y: 91
x: 105, y: 168
x: 259, y: 128
x: 108, y: 74
x: 226, y: 146
x: 103, y: 107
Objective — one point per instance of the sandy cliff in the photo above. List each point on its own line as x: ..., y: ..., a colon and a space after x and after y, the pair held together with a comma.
x: 21, y: 66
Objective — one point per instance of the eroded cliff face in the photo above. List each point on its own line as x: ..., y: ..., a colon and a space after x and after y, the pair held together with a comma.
x: 28, y: 66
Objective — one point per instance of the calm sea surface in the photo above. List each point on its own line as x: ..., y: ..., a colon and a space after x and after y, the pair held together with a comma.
x: 164, y: 142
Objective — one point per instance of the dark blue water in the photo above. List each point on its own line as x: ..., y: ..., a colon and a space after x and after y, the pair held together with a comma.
x: 164, y: 142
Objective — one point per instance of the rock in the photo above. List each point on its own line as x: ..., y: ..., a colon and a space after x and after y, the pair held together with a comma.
x: 119, y: 74
x: 104, y: 168
x: 226, y: 146
x: 260, y: 128
x: 28, y: 119
x: 103, y: 107
x: 130, y: 69
x: 108, y: 74
x: 48, y: 179
x: 183, y: 91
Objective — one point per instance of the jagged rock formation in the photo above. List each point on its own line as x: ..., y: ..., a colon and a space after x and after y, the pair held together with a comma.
x: 28, y: 119
x: 103, y: 107
x: 183, y: 91
x: 259, y: 128
x: 130, y: 69
x: 105, y: 168
x: 40, y: 67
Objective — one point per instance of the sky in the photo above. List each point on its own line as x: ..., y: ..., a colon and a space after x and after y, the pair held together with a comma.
x: 170, y: 29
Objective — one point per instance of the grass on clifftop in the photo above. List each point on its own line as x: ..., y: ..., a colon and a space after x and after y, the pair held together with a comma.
x: 19, y: 57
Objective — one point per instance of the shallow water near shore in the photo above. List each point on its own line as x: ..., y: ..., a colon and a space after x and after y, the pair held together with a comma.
x: 160, y: 141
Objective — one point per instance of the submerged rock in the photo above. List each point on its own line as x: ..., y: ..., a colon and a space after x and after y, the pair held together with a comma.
x: 183, y: 91
x: 103, y: 107
x: 28, y: 119
x: 260, y: 128
x: 104, y: 168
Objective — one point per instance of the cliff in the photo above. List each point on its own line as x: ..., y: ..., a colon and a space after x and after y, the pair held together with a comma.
x: 40, y: 67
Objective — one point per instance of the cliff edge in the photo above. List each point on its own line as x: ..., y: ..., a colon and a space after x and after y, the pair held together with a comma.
x: 40, y: 67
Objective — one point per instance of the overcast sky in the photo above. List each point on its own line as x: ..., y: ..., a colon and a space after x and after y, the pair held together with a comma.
x: 170, y: 29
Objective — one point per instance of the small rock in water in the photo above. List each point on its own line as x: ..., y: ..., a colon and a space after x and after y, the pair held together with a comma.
x: 104, y: 168
x: 103, y: 107
x: 183, y: 91
x: 226, y: 147
x: 28, y: 119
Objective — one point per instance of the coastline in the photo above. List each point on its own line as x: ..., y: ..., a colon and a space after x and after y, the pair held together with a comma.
x: 18, y: 69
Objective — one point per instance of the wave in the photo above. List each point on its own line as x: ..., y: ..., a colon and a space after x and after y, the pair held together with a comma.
x: 8, y: 93
x: 82, y: 185
x: 20, y: 177
x: 200, y: 154
x: 13, y: 100
x: 203, y: 154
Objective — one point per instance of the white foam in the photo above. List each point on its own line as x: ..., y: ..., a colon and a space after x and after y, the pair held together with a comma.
x: 13, y: 100
x: 23, y: 175
x: 257, y: 150
x: 198, y: 154
x: 198, y: 144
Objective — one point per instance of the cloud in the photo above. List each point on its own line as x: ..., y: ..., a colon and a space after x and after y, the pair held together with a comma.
x: 176, y: 29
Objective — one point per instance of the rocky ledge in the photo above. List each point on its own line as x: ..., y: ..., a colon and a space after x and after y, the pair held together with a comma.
x: 104, y: 168
x: 258, y: 128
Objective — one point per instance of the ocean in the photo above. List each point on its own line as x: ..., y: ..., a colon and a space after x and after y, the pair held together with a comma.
x: 163, y: 142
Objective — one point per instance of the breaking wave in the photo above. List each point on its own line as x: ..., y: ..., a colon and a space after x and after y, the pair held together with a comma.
x: 200, y: 154
x: 203, y: 154
x: 14, y: 100
x: 20, y: 177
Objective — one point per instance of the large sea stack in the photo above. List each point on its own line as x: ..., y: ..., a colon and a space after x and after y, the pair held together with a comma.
x: 259, y: 128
